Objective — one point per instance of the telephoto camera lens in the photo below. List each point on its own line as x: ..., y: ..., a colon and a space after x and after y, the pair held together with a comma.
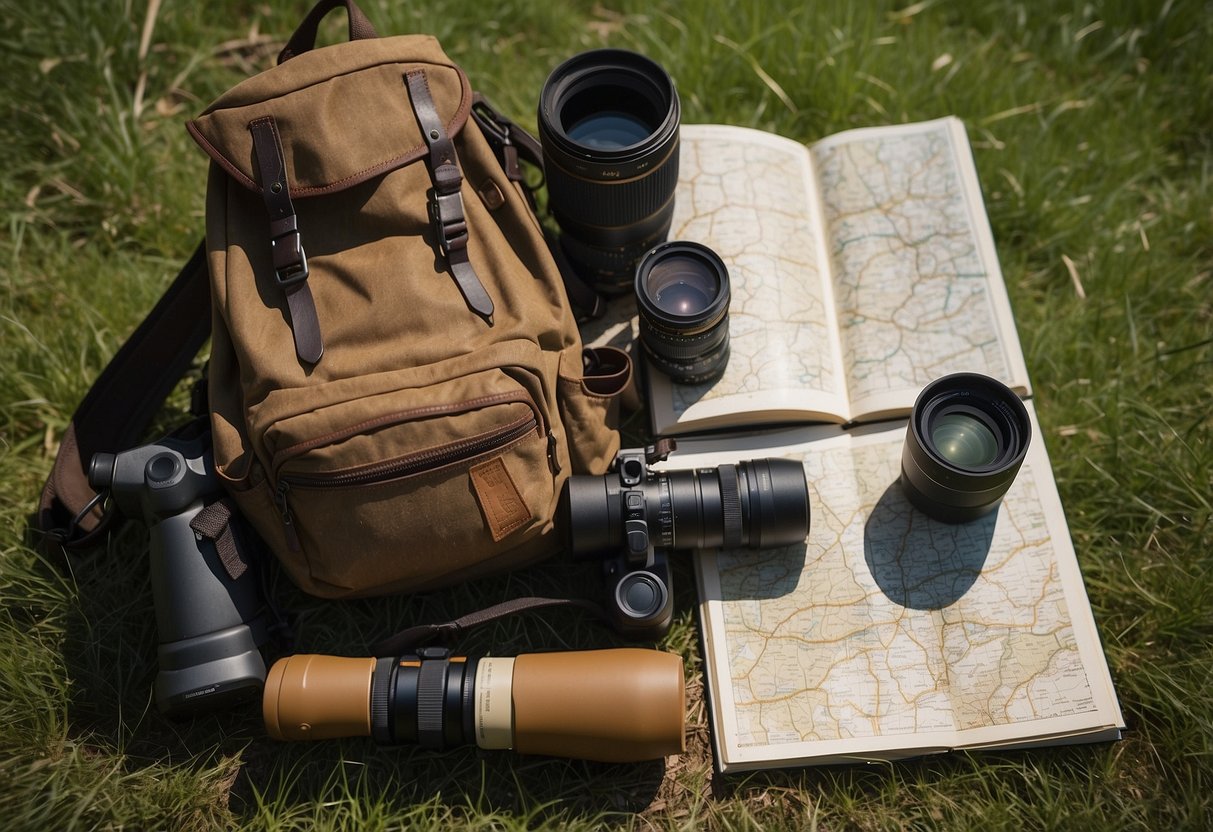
x: 682, y: 294
x: 967, y: 437
x: 616, y: 706
x: 608, y: 124
x: 759, y: 503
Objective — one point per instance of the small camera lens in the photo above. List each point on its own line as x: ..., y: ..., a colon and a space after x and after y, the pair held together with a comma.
x: 967, y: 437
x: 682, y: 293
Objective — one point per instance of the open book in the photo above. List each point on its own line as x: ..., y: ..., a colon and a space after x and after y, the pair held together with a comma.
x: 861, y: 268
x: 887, y: 634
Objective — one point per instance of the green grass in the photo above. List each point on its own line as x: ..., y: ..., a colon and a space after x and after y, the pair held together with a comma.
x: 1092, y: 125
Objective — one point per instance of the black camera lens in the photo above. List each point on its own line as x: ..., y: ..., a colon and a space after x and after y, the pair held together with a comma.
x: 758, y: 503
x: 967, y: 437
x: 608, y: 123
x: 682, y: 293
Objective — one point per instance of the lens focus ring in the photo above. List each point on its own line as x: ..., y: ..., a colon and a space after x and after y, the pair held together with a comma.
x: 381, y: 680
x: 431, y: 686
x: 730, y: 499
x: 607, y: 203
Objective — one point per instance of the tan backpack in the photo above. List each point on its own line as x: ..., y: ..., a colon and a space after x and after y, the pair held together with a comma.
x: 397, y: 386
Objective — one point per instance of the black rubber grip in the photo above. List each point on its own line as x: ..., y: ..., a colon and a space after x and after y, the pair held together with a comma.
x: 431, y: 689
x: 381, y: 680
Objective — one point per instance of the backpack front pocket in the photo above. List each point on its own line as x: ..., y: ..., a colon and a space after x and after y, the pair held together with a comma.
x: 405, y: 489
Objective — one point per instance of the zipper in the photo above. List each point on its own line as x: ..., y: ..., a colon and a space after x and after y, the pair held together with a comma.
x: 288, y: 520
x: 418, y: 462
x: 283, y: 456
x: 404, y: 466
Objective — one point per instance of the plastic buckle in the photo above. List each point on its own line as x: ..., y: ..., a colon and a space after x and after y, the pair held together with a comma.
x: 447, y: 220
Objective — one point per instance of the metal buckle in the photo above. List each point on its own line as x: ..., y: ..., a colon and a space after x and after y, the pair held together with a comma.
x: 447, y: 220
x: 290, y: 260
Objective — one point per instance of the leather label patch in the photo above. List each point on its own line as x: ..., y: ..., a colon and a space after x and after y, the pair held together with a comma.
x: 499, y: 499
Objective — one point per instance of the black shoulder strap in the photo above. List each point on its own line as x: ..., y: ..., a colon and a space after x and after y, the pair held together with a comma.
x: 122, y: 401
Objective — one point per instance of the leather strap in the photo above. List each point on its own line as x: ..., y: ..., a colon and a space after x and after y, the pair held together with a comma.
x: 122, y: 401
x: 304, y: 38
x: 290, y: 260
x: 407, y: 641
x: 446, y: 200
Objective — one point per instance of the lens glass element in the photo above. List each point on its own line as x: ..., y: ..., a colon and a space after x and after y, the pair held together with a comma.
x: 683, y: 285
x: 609, y: 130
x: 964, y: 440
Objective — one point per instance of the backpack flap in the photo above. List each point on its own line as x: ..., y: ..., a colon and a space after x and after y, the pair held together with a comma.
x: 343, y: 113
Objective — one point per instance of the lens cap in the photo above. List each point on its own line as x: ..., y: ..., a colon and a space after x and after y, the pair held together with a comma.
x: 640, y: 595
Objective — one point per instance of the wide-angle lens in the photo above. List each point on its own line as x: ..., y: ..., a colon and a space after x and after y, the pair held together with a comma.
x: 608, y: 123
x: 682, y: 294
x: 967, y: 437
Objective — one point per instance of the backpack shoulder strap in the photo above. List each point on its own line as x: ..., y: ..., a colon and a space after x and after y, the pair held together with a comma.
x: 122, y: 401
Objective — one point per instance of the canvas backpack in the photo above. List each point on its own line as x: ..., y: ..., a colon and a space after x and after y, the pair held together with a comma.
x: 397, y: 386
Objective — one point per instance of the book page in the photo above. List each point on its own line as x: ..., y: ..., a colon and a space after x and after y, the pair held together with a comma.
x: 918, y: 289
x: 887, y: 633
x: 750, y: 196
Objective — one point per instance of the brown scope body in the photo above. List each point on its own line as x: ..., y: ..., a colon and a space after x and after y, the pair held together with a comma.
x: 619, y: 705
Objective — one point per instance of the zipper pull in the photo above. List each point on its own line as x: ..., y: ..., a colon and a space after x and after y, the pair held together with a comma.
x: 553, y: 458
x: 288, y: 520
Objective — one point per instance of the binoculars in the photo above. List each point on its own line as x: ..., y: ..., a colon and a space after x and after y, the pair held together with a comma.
x: 211, y: 614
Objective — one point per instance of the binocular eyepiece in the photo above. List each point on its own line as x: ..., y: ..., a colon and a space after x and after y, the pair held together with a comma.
x: 621, y: 705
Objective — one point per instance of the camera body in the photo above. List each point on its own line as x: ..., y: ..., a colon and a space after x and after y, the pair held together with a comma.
x: 210, y: 614
x: 633, y: 516
x: 636, y: 569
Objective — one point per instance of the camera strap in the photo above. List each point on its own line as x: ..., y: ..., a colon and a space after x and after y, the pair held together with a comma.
x: 409, y: 640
